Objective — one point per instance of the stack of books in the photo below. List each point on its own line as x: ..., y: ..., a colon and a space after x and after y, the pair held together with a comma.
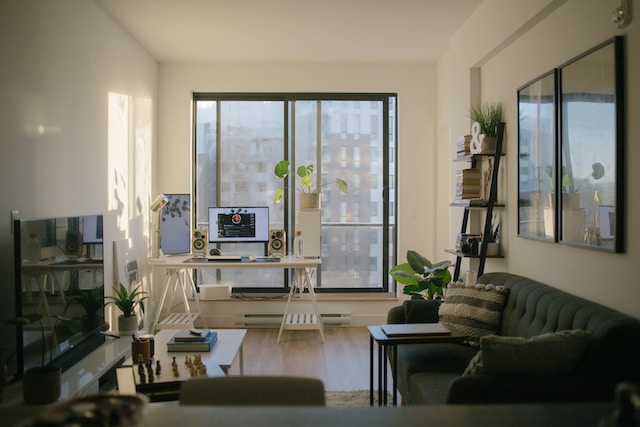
x: 468, y: 184
x: 195, y: 341
x: 463, y: 146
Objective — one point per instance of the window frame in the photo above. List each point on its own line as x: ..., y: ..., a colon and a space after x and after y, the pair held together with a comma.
x: 388, y: 226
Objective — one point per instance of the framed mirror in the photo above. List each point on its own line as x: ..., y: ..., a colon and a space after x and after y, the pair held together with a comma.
x: 592, y: 147
x: 537, y: 146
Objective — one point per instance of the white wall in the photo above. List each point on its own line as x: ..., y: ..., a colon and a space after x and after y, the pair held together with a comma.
x: 62, y: 63
x: 563, y: 30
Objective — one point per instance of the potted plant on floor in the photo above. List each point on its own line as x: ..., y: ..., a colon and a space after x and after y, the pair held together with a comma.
x: 309, y: 194
x: 127, y: 302
x: 40, y: 385
x: 421, y: 278
x: 488, y: 116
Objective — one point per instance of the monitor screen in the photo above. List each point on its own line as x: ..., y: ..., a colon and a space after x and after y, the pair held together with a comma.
x: 239, y: 224
x: 175, y: 225
x: 92, y: 229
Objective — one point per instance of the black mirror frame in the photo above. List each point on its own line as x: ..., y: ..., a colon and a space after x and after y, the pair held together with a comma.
x: 591, y: 236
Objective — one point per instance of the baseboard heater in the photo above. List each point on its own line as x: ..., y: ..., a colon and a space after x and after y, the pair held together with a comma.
x: 272, y: 320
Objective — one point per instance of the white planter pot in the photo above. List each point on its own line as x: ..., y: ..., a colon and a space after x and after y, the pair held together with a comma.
x: 309, y: 200
x: 127, y: 325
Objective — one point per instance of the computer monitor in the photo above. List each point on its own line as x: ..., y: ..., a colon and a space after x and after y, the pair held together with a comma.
x: 239, y: 224
x: 92, y: 229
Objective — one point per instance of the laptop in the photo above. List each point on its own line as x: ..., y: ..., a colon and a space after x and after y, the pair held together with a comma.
x: 410, y: 329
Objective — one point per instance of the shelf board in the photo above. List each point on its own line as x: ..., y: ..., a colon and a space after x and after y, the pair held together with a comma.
x: 463, y: 255
x: 462, y: 204
x: 469, y: 157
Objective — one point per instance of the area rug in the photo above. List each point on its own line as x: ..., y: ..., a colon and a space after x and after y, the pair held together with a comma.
x: 352, y: 398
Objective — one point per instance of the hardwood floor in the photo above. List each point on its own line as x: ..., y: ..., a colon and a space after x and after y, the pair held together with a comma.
x: 341, y: 362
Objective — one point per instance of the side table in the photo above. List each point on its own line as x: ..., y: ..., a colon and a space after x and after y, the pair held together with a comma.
x: 376, y: 333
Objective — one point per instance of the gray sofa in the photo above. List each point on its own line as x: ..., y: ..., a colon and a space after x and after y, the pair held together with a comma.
x: 435, y: 373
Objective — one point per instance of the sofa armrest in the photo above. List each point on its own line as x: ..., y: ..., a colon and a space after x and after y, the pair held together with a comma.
x: 487, y: 389
x: 415, y: 311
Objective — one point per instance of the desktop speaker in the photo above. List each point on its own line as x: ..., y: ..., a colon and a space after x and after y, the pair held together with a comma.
x: 277, y: 243
x: 73, y: 243
x: 199, y: 242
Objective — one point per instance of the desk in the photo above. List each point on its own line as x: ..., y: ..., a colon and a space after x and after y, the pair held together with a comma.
x: 178, y: 277
x: 377, y: 334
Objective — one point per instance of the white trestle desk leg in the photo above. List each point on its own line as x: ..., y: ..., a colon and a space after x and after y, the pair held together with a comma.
x: 302, y: 278
x: 170, y: 278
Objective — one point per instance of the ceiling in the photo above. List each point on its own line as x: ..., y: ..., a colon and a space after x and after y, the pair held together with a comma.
x: 292, y: 30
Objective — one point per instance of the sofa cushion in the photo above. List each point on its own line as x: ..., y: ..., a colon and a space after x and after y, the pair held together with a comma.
x: 474, y: 310
x: 546, y: 354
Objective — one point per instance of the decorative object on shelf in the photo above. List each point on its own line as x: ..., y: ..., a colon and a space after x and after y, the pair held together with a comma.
x: 309, y: 194
x: 40, y: 385
x: 421, y: 278
x: 592, y: 128
x: 127, y: 302
x: 484, y: 128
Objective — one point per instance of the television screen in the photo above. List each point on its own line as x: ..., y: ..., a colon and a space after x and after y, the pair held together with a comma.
x: 175, y: 225
x: 56, y: 282
x: 239, y: 224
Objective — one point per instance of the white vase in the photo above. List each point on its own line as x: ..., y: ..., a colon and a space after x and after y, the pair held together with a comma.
x: 127, y: 325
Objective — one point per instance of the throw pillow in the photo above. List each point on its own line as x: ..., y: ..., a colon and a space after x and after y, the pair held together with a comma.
x: 546, y: 354
x: 473, y: 310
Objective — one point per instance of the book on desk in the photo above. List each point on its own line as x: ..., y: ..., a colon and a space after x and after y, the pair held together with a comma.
x: 183, y: 340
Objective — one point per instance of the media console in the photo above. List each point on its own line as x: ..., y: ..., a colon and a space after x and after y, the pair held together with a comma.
x: 84, y: 377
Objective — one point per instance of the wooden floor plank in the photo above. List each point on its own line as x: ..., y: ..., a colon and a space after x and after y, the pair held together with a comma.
x: 341, y: 362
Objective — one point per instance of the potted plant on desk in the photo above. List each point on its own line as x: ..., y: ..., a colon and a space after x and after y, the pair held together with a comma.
x: 127, y: 302
x: 421, y: 278
x: 309, y: 194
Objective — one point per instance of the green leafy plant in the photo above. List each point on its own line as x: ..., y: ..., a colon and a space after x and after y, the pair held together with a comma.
x: 421, y: 278
x: 568, y: 186
x: 128, y: 301
x: 283, y: 170
x: 91, y: 300
x: 489, y: 116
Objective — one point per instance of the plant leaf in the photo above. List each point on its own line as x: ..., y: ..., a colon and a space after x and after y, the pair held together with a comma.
x: 417, y: 261
x: 278, y: 197
x: 282, y: 169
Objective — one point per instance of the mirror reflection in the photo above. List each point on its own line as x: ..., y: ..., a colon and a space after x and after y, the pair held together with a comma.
x: 536, y: 158
x: 590, y: 147
x: 61, y: 281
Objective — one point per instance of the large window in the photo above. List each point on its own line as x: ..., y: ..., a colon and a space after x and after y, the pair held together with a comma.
x: 240, y: 137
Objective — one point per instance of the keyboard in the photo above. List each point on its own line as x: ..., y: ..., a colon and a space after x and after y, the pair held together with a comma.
x: 224, y: 258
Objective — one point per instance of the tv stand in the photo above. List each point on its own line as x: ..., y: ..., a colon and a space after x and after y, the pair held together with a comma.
x: 84, y: 377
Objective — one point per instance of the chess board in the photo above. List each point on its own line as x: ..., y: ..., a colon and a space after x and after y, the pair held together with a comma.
x: 164, y: 383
